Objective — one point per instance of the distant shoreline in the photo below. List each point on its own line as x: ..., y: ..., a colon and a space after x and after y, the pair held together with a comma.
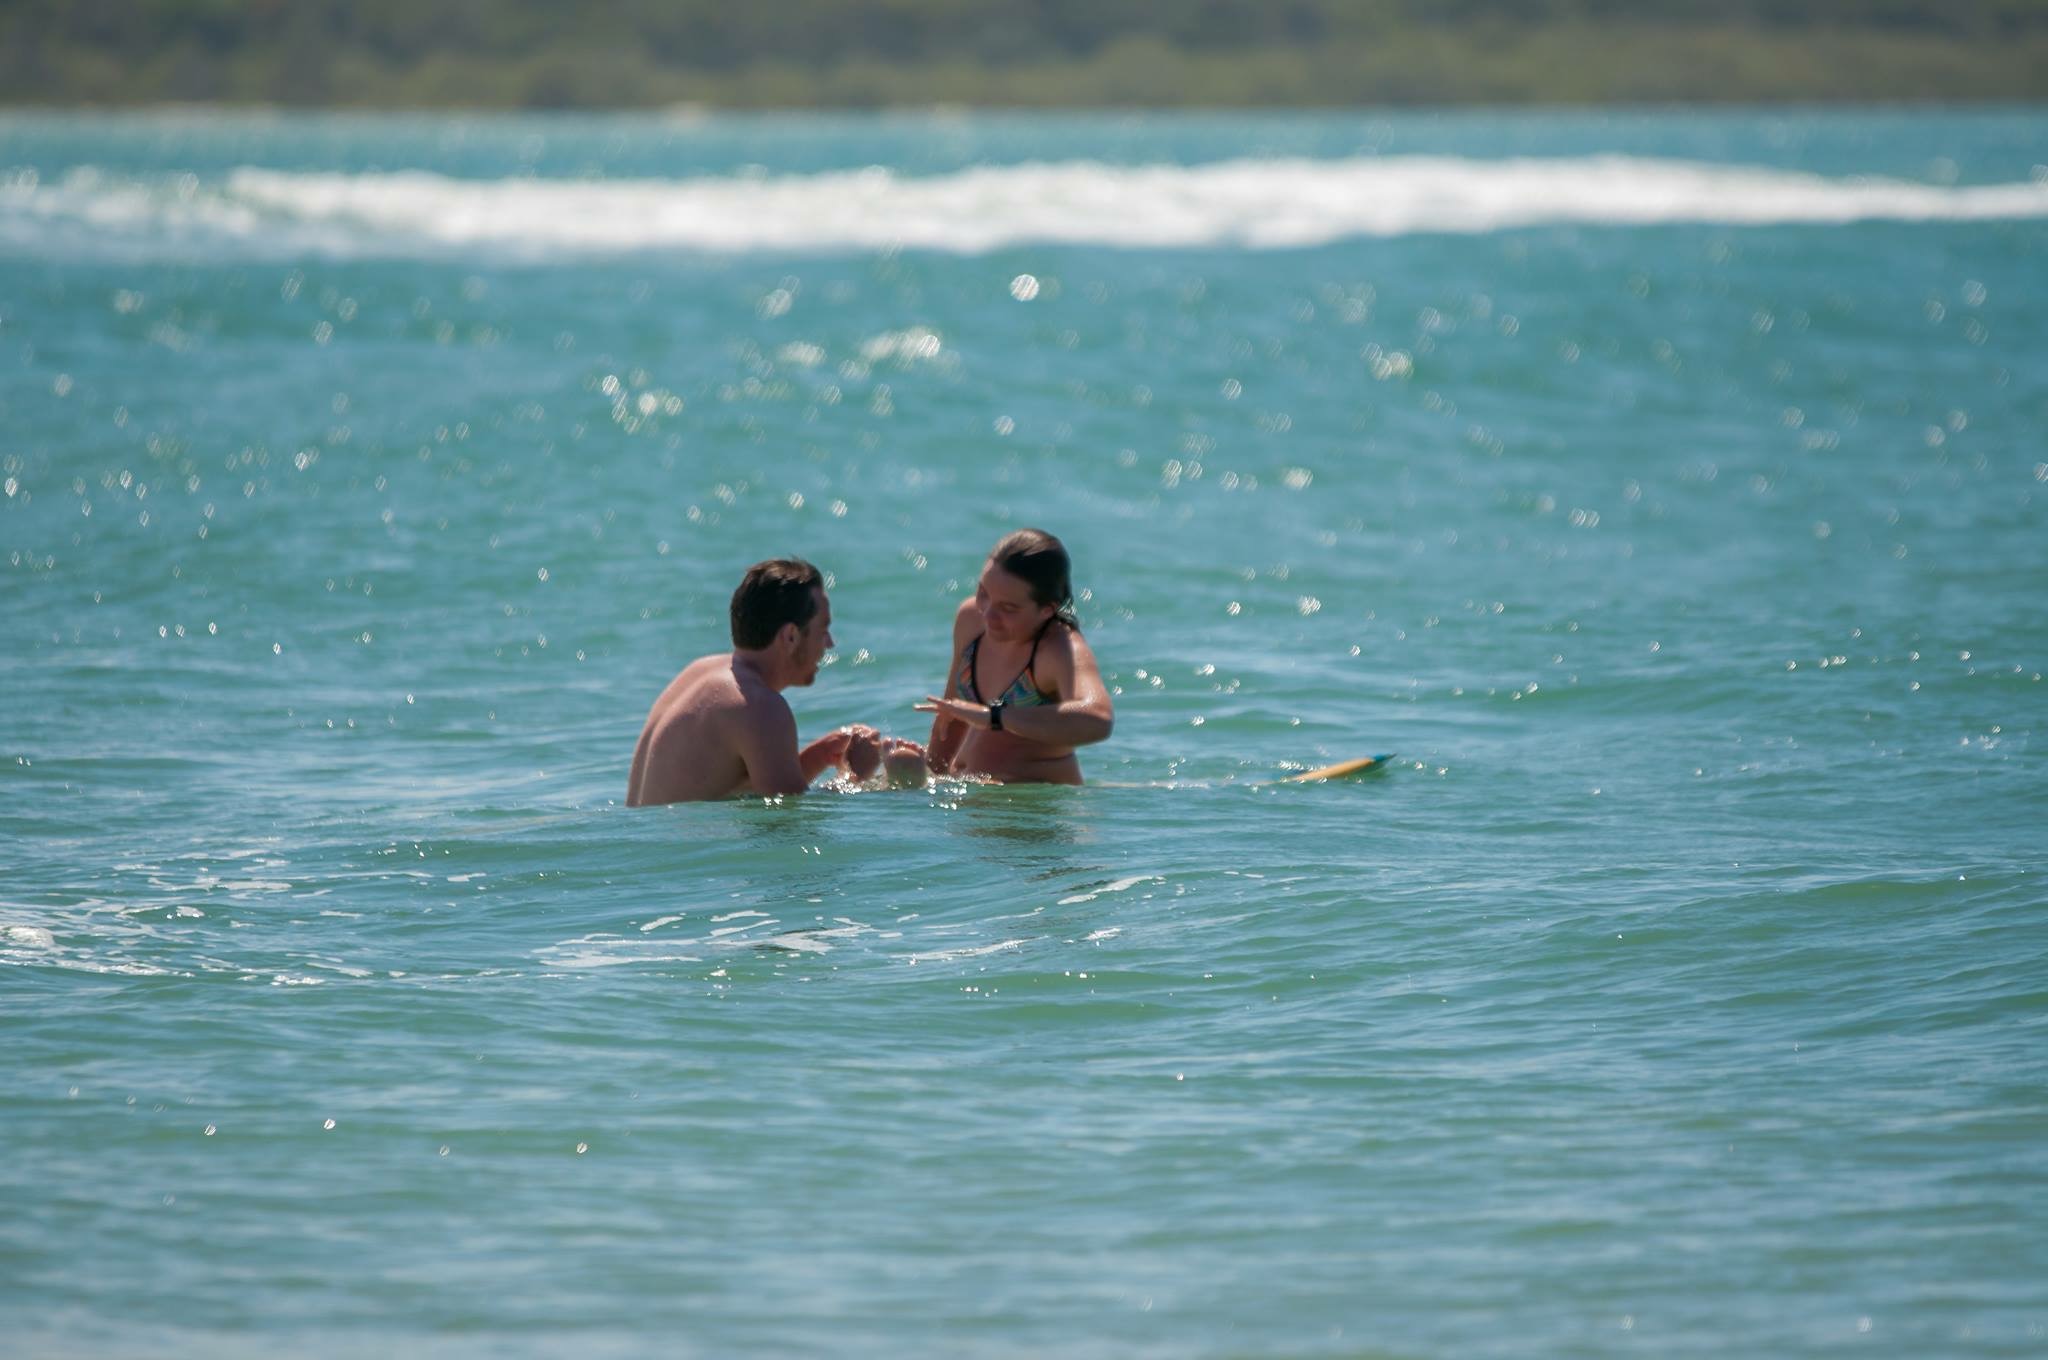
x: 1549, y: 66
x: 690, y: 112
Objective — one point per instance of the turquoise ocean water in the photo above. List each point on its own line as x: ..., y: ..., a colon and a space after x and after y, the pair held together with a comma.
x: 1668, y: 490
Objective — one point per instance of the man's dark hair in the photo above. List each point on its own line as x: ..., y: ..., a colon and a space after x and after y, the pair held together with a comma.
x: 772, y: 593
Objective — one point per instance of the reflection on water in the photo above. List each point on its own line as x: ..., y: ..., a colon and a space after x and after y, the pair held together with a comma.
x: 1020, y: 814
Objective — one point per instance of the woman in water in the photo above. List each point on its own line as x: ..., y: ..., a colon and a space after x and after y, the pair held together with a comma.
x: 1024, y: 690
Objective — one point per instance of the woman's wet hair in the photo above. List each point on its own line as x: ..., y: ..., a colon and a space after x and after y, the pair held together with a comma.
x: 772, y: 593
x: 1040, y: 561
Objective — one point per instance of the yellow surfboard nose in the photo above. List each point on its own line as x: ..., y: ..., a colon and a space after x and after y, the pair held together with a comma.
x: 1339, y: 770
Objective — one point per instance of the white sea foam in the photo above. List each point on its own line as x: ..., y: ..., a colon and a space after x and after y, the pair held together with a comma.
x: 968, y: 952
x: 1248, y: 204
x: 1120, y: 885
x: 605, y: 950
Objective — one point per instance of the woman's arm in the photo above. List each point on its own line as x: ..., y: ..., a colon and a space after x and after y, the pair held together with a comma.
x: 947, y: 734
x: 1083, y: 716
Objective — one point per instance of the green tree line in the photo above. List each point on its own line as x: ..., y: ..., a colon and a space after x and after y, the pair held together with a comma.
x: 1107, y: 53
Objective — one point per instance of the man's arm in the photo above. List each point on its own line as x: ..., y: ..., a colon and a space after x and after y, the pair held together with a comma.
x: 639, y: 764
x: 766, y: 741
x: 827, y: 752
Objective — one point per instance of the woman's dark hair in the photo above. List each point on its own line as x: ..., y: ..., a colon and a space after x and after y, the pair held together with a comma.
x: 772, y: 593
x: 1040, y: 561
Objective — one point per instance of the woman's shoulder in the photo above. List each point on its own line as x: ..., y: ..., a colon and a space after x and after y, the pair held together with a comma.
x: 966, y: 622
x: 1061, y: 639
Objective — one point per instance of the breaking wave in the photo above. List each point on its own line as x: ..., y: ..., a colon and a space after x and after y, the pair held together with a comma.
x: 1242, y: 204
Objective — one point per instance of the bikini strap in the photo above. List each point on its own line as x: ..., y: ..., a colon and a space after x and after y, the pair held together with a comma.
x: 968, y: 686
x: 1036, y: 638
x: 973, y: 648
x: 1031, y: 661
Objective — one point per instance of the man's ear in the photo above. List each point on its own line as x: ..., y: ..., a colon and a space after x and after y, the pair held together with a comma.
x: 789, y: 635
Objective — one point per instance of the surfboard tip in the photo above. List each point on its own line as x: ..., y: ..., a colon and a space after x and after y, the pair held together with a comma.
x: 1339, y: 770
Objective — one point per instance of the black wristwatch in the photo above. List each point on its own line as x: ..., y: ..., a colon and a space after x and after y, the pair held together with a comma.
x: 995, y: 716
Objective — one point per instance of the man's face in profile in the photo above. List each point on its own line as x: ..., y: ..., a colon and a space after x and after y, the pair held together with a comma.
x: 814, y: 639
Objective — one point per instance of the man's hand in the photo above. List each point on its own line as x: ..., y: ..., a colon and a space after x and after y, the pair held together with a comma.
x: 863, y: 751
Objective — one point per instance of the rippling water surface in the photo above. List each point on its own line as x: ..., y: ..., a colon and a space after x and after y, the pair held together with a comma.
x: 1666, y: 491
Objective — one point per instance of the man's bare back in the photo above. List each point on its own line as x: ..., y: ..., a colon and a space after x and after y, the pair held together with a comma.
x: 722, y: 728
x: 700, y: 731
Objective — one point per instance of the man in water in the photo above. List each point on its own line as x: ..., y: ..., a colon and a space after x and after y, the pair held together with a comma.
x: 722, y: 728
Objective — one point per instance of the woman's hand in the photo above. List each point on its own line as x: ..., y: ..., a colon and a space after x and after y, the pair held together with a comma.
x: 903, y: 764
x: 958, y: 710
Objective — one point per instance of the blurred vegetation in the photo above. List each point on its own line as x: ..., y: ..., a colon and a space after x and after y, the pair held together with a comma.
x: 1014, y: 53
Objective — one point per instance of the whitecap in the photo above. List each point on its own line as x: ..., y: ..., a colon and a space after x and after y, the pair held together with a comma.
x: 1261, y: 204
x: 1119, y: 885
x: 968, y: 951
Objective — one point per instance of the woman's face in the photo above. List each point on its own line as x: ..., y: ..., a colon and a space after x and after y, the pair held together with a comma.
x: 1008, y: 613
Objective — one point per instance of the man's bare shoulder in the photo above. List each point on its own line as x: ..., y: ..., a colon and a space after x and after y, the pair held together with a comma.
x: 705, y: 695
x: 717, y: 692
x: 706, y: 682
x: 696, y: 739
